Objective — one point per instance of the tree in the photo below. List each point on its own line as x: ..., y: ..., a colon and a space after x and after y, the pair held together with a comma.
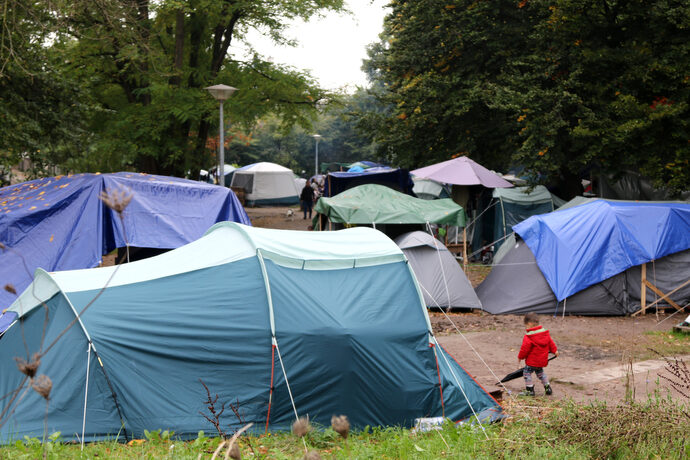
x: 606, y: 87
x: 41, y: 109
x: 437, y: 69
x: 142, y: 67
x: 559, y: 87
x: 293, y: 147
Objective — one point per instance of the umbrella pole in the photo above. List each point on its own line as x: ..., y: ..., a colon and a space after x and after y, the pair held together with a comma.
x: 464, y: 249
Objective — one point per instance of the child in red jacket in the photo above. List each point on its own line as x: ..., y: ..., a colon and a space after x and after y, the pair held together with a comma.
x: 535, y: 351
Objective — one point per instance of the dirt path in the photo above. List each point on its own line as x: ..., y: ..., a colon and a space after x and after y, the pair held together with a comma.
x: 278, y: 218
x: 590, y: 349
x: 589, y: 346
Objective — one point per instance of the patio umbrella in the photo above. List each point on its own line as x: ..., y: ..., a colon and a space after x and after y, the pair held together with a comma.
x: 462, y: 171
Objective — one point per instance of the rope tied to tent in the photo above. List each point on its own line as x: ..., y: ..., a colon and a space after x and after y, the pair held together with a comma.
x: 445, y: 283
x: 440, y: 262
x: 462, y: 389
x: 468, y: 343
x: 274, y: 340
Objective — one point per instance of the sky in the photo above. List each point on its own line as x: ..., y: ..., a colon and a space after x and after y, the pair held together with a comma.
x: 330, y: 47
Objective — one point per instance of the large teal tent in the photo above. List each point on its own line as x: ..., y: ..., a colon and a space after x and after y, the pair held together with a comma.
x: 287, y: 323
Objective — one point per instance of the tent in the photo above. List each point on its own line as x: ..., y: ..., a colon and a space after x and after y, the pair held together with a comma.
x: 511, y: 240
x: 300, y: 182
x: 593, y: 259
x: 513, y: 205
x: 285, y: 322
x: 439, y: 275
x: 266, y: 184
x: 517, y: 286
x: 395, y: 178
x: 428, y: 189
x: 228, y: 170
x: 378, y: 204
x: 59, y: 223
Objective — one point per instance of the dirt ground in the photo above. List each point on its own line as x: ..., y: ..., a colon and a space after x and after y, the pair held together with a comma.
x: 590, y: 347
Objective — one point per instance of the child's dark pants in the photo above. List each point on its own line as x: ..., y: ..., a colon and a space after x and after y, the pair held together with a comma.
x: 541, y: 375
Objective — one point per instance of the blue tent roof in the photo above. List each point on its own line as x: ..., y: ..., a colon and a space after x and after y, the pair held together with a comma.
x: 581, y: 246
x: 59, y: 223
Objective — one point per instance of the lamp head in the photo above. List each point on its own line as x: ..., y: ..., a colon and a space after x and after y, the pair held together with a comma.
x: 220, y: 92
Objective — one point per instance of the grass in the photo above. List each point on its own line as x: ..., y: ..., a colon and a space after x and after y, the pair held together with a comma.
x: 668, y: 343
x: 538, y: 427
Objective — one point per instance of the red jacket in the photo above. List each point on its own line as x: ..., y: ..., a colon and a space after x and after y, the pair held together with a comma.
x: 536, y: 347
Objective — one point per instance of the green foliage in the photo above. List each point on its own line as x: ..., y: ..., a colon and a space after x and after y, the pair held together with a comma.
x: 656, y: 428
x: 41, y: 109
x: 293, y: 146
x: 557, y: 86
x: 138, y: 69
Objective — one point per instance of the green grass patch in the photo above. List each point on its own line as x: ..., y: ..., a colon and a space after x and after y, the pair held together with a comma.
x: 544, y: 428
x: 667, y: 343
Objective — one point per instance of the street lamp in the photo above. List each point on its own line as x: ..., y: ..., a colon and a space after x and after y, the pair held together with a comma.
x: 317, y: 138
x: 221, y: 93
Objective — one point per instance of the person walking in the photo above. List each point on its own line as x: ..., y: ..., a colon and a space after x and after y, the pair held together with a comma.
x: 307, y: 199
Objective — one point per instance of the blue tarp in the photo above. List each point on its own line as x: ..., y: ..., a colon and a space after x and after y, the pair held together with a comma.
x: 395, y: 178
x: 581, y: 246
x: 59, y: 223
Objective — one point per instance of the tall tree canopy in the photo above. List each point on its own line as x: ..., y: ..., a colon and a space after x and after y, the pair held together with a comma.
x: 139, y: 68
x: 560, y: 87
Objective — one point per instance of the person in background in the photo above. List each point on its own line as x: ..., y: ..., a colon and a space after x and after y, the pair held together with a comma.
x: 307, y: 199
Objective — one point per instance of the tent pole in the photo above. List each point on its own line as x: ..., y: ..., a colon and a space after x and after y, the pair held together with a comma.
x: 643, y: 289
x: 86, y: 393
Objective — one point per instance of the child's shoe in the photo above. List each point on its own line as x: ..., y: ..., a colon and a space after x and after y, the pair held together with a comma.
x: 548, y: 390
x: 529, y: 391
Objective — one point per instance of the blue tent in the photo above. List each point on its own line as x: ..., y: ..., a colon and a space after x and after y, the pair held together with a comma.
x: 285, y: 322
x: 395, y: 178
x: 59, y: 223
x: 581, y: 246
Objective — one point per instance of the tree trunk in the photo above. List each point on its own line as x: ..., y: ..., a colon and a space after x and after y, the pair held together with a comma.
x: 176, y: 79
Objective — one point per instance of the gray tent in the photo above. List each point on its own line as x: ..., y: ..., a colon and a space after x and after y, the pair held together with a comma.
x: 432, y: 263
x: 517, y: 286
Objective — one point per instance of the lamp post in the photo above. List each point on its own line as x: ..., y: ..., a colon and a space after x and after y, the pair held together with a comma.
x: 221, y: 93
x: 317, y: 138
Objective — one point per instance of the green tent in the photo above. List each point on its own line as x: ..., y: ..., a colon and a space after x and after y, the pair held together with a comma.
x: 377, y: 204
x: 513, y: 205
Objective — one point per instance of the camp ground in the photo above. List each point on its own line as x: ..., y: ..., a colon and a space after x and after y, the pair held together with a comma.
x: 288, y: 323
x: 61, y: 223
x: 556, y: 264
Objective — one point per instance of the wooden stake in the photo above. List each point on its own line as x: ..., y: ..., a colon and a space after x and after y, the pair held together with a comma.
x: 665, y: 296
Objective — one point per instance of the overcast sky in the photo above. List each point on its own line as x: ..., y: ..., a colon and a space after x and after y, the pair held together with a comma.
x: 332, y: 47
